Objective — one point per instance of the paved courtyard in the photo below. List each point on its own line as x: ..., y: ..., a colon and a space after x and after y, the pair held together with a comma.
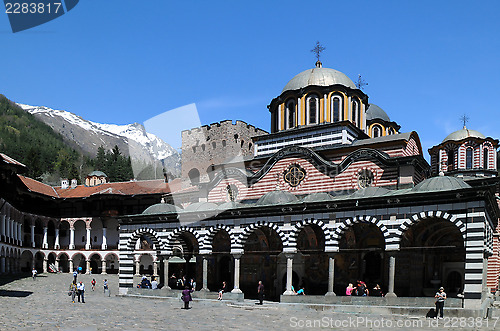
x: 44, y: 305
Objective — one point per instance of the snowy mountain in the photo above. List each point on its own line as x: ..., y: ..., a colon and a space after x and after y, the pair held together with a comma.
x: 132, y: 139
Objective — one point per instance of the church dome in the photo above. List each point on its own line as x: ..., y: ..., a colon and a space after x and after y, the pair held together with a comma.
x: 161, y: 208
x: 440, y: 183
x: 276, y: 197
x: 318, y: 76
x: 375, y: 112
x: 97, y: 173
x: 464, y: 133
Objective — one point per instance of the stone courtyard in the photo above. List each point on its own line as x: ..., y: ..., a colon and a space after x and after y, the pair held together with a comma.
x: 44, y: 305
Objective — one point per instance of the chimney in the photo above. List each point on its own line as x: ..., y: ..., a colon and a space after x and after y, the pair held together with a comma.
x: 74, y: 183
x: 64, y: 183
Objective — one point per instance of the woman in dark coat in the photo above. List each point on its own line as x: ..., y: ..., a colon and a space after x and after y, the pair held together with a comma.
x: 186, y: 296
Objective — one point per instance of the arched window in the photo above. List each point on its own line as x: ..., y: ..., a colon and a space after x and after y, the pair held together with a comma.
x: 312, y: 109
x: 355, y: 112
x: 194, y: 176
x: 390, y: 131
x: 485, y: 158
x: 290, y: 114
x: 469, y: 158
x: 336, y: 110
x: 451, y: 160
x: 376, y: 131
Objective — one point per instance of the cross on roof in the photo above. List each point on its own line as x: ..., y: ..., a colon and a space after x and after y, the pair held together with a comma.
x: 361, y: 83
x: 317, y: 50
x: 464, y: 118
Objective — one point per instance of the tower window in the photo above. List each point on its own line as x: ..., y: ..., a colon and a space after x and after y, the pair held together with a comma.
x: 451, y: 160
x: 485, y: 158
x: 312, y: 109
x: 290, y: 114
x: 376, y: 131
x: 355, y: 112
x: 336, y: 108
x: 469, y: 158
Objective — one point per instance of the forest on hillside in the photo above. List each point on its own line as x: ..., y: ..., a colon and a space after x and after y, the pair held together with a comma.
x: 46, y: 154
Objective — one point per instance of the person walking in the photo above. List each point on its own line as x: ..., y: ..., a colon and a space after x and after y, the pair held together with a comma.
x: 93, y: 284
x: 260, y: 292
x: 186, y: 296
x: 73, y: 290
x: 81, y: 291
x: 33, y: 273
x: 75, y: 274
x: 105, y: 286
x: 440, y: 299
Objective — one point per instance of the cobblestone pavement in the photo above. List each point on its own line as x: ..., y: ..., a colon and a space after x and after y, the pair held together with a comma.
x: 44, y: 304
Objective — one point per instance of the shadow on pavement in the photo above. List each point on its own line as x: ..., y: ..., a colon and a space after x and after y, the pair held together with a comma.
x: 19, y: 294
x: 10, y: 278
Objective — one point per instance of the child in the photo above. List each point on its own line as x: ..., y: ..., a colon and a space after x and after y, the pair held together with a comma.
x: 93, y: 283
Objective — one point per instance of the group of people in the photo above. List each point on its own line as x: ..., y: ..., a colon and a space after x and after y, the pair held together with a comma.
x: 361, y: 290
x: 77, y: 289
x: 181, y: 283
x: 145, y: 283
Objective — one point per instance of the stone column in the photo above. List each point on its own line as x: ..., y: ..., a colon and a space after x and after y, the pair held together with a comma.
x: 165, y: 273
x: 32, y: 235
x: 87, y: 267
x: 137, y: 267
x: 103, y: 267
x: 331, y: 275
x: 56, y: 241
x: 289, y: 272
x: 71, y: 265
x: 71, y: 237
x: 155, y: 268
x: 87, y: 244
x: 392, y: 273
x: 45, y: 243
x: 236, y: 288
x: 205, y: 273
x: 20, y: 233
x: 57, y: 265
x: 104, y: 239
x: 45, y: 262
x: 2, y: 226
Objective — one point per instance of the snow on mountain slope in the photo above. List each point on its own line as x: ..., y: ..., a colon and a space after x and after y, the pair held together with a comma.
x: 132, y: 139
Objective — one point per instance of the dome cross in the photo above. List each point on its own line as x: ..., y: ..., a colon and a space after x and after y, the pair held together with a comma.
x: 317, y: 50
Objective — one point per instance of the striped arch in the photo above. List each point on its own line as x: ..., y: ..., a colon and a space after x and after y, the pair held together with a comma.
x: 145, y: 231
x: 175, y: 235
x: 207, y: 243
x: 292, y: 239
x: 339, y: 231
x: 242, y: 238
x: 424, y: 215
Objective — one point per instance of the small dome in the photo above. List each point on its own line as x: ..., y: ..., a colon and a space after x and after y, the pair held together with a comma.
x: 201, y: 206
x: 375, y: 112
x: 440, y: 183
x: 276, y: 197
x: 229, y: 205
x: 464, y: 133
x: 318, y: 76
x: 370, y: 192
x: 97, y: 174
x: 161, y: 208
x: 315, y: 197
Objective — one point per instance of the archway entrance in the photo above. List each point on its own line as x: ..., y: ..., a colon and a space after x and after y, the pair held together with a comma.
x: 26, y: 261
x: 220, y: 264
x: 313, y: 265
x: 64, y: 263
x: 183, y: 264
x: 432, y: 254
x: 361, y: 257
x: 95, y: 263
x: 260, y: 262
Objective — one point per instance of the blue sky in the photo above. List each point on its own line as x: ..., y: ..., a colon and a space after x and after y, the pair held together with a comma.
x: 123, y: 61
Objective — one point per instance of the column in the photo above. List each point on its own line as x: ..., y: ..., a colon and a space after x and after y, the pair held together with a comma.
x: 87, y: 244
x: 289, y: 272
x: 2, y: 226
x: 20, y: 233
x: 205, y: 273
x: 392, y: 273
x: 155, y: 268
x: 331, y: 275
x: 57, y: 265
x: 45, y: 262
x: 2, y: 264
x: 237, y: 258
x: 71, y: 237
x: 165, y: 273
x: 45, y: 243
x: 137, y: 267
x: 32, y: 235
x: 103, y: 266
x: 8, y: 235
x: 104, y: 239
x: 56, y: 241
x: 71, y: 266
x: 87, y: 271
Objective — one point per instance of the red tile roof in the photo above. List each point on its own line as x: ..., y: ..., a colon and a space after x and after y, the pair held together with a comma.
x: 36, y: 186
x: 9, y: 160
